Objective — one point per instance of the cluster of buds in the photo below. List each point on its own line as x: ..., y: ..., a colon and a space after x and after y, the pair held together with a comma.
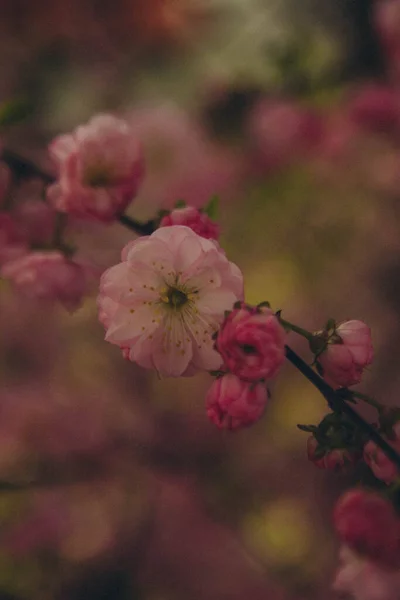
x: 335, y: 444
x: 251, y: 342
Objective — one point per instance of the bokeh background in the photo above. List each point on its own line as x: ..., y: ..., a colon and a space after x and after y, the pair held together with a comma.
x: 290, y: 112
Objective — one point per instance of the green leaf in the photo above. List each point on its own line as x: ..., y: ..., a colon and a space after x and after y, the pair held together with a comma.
x: 307, y: 428
x: 330, y: 324
x: 180, y: 204
x: 211, y: 209
x: 265, y: 303
x: 13, y: 112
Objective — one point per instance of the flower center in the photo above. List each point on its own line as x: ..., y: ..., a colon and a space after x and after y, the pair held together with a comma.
x: 97, y: 176
x: 175, y: 297
x: 248, y: 349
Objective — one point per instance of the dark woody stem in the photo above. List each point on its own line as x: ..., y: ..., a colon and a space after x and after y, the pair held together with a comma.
x: 337, y: 402
x: 23, y: 168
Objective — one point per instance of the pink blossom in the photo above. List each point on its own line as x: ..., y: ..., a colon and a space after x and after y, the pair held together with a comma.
x: 100, y: 167
x: 197, y: 220
x: 47, y: 276
x: 347, y: 354
x: 281, y: 132
x: 233, y: 403
x: 13, y: 243
x: 367, y: 523
x: 381, y: 466
x: 252, y: 343
x: 387, y: 21
x: 364, y: 579
x: 376, y: 107
x: 181, y: 162
x: 337, y: 459
x: 167, y: 297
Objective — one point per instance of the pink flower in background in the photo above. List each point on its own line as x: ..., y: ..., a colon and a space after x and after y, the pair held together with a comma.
x: 198, y: 221
x: 381, y: 466
x: 100, y: 167
x: 368, y: 524
x: 347, y: 354
x: 364, y: 579
x: 47, y: 276
x: 181, y: 162
x: 280, y: 132
x: 376, y: 107
x: 13, y: 242
x: 232, y: 403
x: 166, y: 298
x: 387, y: 22
x: 252, y: 343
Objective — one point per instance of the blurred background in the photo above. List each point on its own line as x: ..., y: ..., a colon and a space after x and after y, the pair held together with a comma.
x: 290, y: 112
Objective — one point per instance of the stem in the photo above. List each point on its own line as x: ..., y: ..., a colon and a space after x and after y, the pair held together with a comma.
x: 371, y: 401
x: 299, y: 330
x: 24, y: 169
x: 338, y: 403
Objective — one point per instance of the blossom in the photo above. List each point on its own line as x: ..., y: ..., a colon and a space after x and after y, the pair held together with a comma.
x: 166, y: 299
x: 368, y: 524
x: 47, y: 276
x: 100, y: 167
x: 364, y: 579
x: 197, y: 220
x: 347, y: 354
x: 233, y: 403
x: 13, y: 243
x: 281, y: 132
x: 376, y: 108
x: 252, y: 343
x: 381, y: 466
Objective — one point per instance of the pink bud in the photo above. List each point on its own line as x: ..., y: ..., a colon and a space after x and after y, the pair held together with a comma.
x: 337, y: 459
x: 199, y: 221
x: 233, y: 403
x: 47, y: 276
x: 368, y: 524
x: 252, y: 343
x: 347, y: 354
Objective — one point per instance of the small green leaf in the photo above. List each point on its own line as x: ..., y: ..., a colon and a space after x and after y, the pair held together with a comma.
x: 180, y: 204
x: 13, y: 112
x: 265, y: 303
x: 330, y: 324
x: 211, y: 209
x: 307, y: 428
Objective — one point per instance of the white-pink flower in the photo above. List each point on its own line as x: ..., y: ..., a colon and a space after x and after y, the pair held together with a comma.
x: 48, y: 277
x: 364, y: 579
x: 166, y: 298
x: 100, y: 167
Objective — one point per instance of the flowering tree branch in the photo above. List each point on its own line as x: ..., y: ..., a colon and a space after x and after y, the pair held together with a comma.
x: 337, y: 402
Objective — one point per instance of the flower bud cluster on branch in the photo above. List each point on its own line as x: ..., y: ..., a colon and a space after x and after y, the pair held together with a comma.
x: 175, y: 304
